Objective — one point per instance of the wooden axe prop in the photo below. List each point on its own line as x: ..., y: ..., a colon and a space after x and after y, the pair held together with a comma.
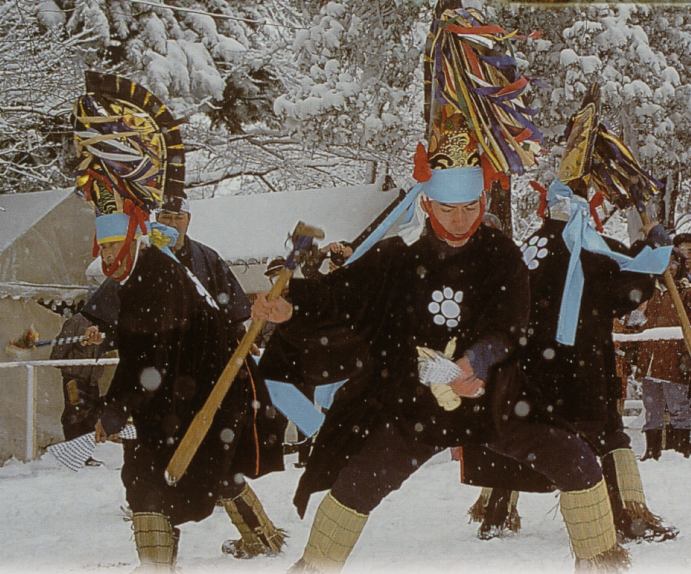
x: 302, y: 239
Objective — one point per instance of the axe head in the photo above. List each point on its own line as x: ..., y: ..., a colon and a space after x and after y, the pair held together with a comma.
x: 302, y: 229
x: 302, y: 238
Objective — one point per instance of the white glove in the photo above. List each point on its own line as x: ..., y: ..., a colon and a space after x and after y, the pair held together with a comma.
x: 436, y: 368
x: 436, y: 371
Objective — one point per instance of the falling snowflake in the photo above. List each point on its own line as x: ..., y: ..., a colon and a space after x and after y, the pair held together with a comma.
x: 150, y: 379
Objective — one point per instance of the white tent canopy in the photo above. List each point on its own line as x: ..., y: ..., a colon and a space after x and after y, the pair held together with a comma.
x: 45, y: 238
x: 255, y: 227
x: 248, y: 230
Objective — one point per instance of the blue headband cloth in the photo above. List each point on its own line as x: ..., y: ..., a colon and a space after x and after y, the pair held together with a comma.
x: 113, y: 227
x: 578, y: 235
x: 451, y: 185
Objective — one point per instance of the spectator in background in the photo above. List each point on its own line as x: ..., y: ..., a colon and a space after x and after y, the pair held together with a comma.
x: 205, y: 263
x: 665, y: 364
x: 80, y: 382
x: 337, y: 253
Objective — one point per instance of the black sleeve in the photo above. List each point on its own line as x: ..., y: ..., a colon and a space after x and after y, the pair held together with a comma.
x: 72, y: 327
x: 103, y: 307
x: 89, y: 374
x: 615, y: 292
x: 326, y: 340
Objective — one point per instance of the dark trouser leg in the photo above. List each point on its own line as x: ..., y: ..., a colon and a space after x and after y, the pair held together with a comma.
x: 81, y: 413
x: 572, y: 466
x: 653, y: 445
x: 561, y: 456
x: 386, y: 460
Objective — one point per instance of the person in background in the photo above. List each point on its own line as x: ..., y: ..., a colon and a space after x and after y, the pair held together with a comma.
x: 80, y: 382
x: 666, y: 365
x: 336, y: 252
x: 205, y: 263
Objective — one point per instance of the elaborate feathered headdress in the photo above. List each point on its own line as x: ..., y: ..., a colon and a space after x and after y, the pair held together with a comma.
x: 617, y: 174
x: 129, y: 143
x: 479, y: 129
x: 473, y: 92
x: 130, y: 156
x: 594, y: 156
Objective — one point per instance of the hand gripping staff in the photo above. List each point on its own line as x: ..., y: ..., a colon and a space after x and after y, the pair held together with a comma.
x: 302, y: 241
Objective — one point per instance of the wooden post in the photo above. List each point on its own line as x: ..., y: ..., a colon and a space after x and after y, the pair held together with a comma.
x: 30, y: 447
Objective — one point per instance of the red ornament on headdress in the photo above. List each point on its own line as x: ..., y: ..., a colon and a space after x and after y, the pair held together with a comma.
x: 422, y: 171
x: 542, y: 208
x: 596, y: 201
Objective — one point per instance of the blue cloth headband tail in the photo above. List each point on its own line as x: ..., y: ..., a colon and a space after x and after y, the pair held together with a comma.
x: 450, y: 185
x: 578, y: 235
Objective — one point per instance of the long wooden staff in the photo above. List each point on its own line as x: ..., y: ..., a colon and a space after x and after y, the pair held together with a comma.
x: 302, y: 239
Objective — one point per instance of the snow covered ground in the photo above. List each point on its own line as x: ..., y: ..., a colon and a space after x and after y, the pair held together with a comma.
x: 53, y: 520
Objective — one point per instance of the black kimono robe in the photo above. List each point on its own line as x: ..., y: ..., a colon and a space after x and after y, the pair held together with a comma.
x: 364, y: 322
x: 173, y: 345
x: 576, y: 385
x: 208, y: 266
x: 579, y: 381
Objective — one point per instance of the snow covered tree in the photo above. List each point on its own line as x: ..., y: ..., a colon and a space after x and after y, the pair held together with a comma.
x: 40, y: 69
x: 359, y: 79
x: 228, y: 65
x: 639, y: 56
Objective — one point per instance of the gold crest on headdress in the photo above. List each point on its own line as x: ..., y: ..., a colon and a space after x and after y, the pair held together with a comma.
x: 129, y: 145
